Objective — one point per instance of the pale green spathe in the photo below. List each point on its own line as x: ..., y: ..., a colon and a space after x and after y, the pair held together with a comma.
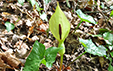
x: 59, y: 18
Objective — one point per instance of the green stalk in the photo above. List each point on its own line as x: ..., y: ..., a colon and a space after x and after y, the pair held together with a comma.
x: 61, y: 62
x: 61, y: 52
x: 78, y: 25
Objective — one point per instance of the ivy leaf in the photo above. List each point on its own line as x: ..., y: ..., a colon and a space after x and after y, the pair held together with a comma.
x: 35, y: 58
x: 59, y: 25
x: 21, y: 1
x: 9, y: 26
x: 50, y: 55
x: 86, y: 18
x: 90, y: 47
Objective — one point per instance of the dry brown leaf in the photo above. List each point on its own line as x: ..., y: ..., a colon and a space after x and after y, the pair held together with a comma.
x: 99, y: 40
x: 102, y: 61
x: 101, y: 22
x: 9, y: 61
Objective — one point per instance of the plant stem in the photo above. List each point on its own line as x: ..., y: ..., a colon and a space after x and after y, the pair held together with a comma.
x: 61, y: 62
x: 75, y: 59
x: 78, y: 25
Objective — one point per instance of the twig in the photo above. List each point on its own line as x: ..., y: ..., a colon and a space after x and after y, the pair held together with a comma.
x: 6, y: 34
x: 102, y: 14
x: 74, y: 6
x: 25, y: 13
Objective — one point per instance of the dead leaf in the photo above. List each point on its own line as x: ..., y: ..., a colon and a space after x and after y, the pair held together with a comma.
x: 101, y: 22
x: 8, y: 59
x: 102, y: 61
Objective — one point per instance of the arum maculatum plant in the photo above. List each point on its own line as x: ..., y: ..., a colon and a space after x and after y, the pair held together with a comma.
x: 60, y: 28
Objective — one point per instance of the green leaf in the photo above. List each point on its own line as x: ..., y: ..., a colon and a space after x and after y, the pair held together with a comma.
x: 43, y: 61
x: 108, y: 36
x: 50, y: 55
x: 90, y: 47
x: 21, y: 1
x: 9, y: 26
x: 59, y: 25
x: 47, y: 1
x: 111, y: 53
x: 110, y: 68
x: 86, y: 18
x: 111, y: 14
x: 102, y: 30
x: 36, y: 56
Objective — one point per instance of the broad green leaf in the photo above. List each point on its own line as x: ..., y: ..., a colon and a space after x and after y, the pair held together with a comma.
x: 108, y: 36
x: 111, y: 14
x: 50, y: 55
x: 90, y: 47
x: 21, y: 1
x: 86, y: 18
x: 47, y: 1
x: 59, y: 25
x: 36, y: 56
x: 9, y: 26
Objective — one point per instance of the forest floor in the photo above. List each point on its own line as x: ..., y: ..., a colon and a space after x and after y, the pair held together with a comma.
x: 16, y: 45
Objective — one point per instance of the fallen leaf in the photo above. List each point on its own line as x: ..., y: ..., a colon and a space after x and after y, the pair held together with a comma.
x: 8, y: 59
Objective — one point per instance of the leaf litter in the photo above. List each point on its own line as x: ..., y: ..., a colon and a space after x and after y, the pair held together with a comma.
x: 15, y: 45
